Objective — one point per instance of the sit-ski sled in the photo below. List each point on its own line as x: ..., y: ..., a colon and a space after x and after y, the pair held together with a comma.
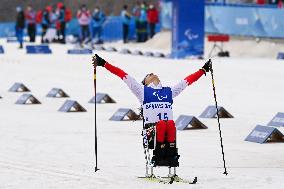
x: 164, y: 155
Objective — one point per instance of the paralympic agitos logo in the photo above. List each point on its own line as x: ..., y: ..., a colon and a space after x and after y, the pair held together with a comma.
x: 160, y: 97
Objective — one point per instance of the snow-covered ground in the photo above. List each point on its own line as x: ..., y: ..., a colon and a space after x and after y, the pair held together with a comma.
x: 43, y: 148
x: 237, y: 46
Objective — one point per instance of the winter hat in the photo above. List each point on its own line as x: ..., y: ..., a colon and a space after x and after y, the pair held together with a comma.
x: 60, y: 5
x: 19, y: 9
x: 48, y: 8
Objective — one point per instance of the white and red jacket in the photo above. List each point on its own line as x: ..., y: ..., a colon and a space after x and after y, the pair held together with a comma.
x: 84, y: 17
x: 30, y: 17
x: 156, y: 100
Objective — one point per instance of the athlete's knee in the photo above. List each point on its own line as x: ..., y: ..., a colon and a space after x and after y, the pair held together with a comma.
x: 171, y: 131
x: 161, y: 127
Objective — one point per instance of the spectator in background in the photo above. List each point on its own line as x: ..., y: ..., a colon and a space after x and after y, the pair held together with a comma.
x: 31, y: 22
x: 143, y: 23
x: 61, y: 24
x: 125, y: 15
x: 153, y: 19
x: 272, y: 2
x: 51, y: 31
x: 84, y: 19
x: 20, y: 26
x: 136, y: 13
x: 98, y: 19
x: 260, y: 2
x: 43, y: 18
x: 280, y: 4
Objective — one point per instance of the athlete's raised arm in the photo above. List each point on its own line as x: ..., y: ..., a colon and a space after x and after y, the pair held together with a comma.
x: 179, y: 87
x: 134, y: 86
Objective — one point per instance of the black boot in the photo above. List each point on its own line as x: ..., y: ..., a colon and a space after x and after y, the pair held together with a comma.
x: 159, y: 155
x: 172, y: 154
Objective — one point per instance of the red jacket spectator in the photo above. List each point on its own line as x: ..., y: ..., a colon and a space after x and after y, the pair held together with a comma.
x: 153, y: 15
x: 260, y: 2
x: 280, y: 4
x: 30, y: 15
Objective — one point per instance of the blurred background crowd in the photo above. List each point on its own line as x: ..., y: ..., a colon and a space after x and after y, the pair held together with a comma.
x: 53, y: 18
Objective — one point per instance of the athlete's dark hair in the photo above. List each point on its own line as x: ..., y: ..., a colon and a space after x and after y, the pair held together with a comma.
x: 143, y: 81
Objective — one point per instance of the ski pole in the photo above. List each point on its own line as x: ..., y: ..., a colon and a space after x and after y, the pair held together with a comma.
x: 96, y: 140
x: 218, y: 118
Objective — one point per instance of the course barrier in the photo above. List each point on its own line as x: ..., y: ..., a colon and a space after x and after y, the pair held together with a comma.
x: 71, y: 106
x: 99, y: 48
x: 57, y: 93
x: 184, y: 121
x: 280, y: 56
x: 277, y: 120
x: 148, y: 53
x: 101, y: 98
x: 1, y: 50
x: 111, y: 49
x: 124, y: 114
x: 79, y: 51
x: 19, y: 87
x: 136, y: 52
x: 211, y: 112
x: 261, y: 134
x: 27, y: 99
x: 38, y: 49
x: 125, y: 51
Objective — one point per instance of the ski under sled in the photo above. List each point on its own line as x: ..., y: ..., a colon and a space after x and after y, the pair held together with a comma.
x: 171, y: 178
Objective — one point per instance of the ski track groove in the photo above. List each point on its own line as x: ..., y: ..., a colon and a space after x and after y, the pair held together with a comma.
x: 52, y: 172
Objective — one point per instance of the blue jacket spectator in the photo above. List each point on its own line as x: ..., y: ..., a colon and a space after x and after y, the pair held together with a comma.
x: 136, y: 11
x: 52, y: 19
x: 20, y: 25
x: 143, y: 34
x: 44, y: 21
x: 45, y: 17
x: 98, y: 19
x: 61, y: 22
x: 61, y: 15
x: 125, y: 16
x: 143, y: 14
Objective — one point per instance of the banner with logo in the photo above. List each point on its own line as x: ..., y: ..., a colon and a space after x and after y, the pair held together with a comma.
x: 187, y: 28
x: 245, y: 21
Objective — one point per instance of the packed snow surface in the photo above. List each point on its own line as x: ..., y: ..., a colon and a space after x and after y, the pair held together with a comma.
x: 43, y: 148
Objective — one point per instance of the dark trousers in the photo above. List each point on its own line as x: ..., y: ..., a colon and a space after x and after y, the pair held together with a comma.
x: 32, y: 32
x: 44, y: 28
x: 144, y: 32
x: 20, y: 36
x: 125, y: 32
x: 62, y: 32
x: 137, y: 28
x: 152, y: 29
x: 85, y: 32
x: 97, y: 32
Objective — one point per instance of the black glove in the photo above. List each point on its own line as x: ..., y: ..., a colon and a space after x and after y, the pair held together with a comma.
x: 207, y: 66
x: 98, y: 61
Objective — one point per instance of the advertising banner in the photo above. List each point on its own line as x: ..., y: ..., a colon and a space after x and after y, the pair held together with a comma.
x: 187, y: 28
